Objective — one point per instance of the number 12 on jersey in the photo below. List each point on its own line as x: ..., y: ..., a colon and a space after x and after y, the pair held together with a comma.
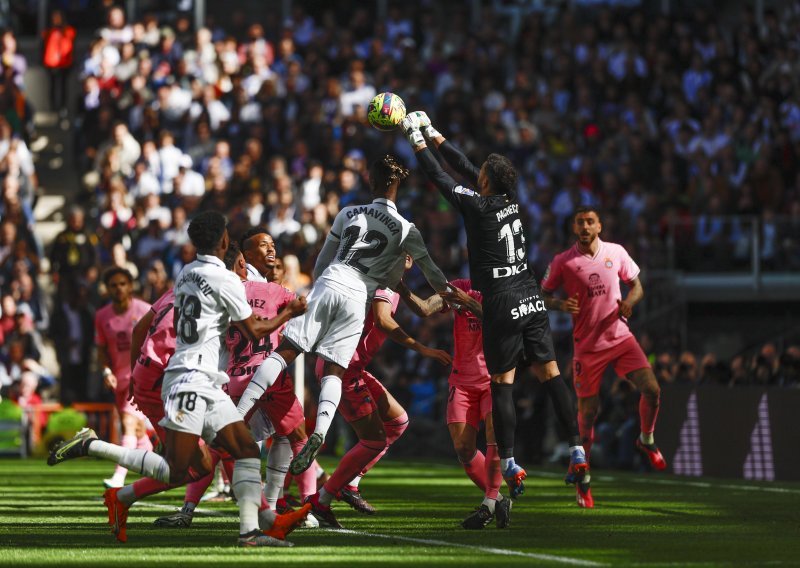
x: 357, y: 246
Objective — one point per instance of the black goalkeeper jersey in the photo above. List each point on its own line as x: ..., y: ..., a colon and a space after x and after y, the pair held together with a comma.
x: 498, y: 253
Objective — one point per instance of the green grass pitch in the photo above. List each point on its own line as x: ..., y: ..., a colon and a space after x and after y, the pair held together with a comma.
x: 56, y: 516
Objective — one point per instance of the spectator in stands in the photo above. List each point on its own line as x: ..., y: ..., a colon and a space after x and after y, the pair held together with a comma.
x: 59, y: 43
x: 74, y: 249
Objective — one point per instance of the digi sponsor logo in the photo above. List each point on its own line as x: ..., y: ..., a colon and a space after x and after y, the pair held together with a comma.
x: 596, y: 286
x: 506, y: 271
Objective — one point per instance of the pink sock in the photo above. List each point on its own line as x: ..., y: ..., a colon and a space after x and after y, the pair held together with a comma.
x: 146, y: 486
x: 476, y: 470
x: 394, y: 429
x: 586, y: 430
x: 144, y: 443
x: 648, y: 413
x: 306, y: 481
x: 493, y: 475
x: 352, y: 463
x: 127, y: 442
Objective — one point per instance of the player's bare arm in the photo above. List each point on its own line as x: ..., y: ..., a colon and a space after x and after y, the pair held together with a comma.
x: 138, y: 336
x: 457, y: 296
x: 423, y: 308
x: 570, y: 305
x: 256, y: 328
x: 103, y: 361
x: 384, y: 321
x: 635, y: 295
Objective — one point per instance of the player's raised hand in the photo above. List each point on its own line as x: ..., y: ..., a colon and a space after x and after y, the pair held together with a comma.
x: 297, y: 306
x: 421, y: 117
x: 442, y: 357
x: 455, y: 295
x: 625, y: 309
x: 411, y: 128
x: 426, y: 126
x: 571, y: 305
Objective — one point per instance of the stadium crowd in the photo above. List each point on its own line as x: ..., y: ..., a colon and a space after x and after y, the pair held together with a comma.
x: 669, y: 123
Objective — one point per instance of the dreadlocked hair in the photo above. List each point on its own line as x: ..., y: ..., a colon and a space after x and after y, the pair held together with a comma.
x: 387, y: 171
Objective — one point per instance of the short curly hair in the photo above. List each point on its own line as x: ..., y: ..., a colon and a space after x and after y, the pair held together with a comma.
x: 206, y: 231
x: 231, y: 255
x: 115, y: 271
x: 502, y: 175
x: 386, y: 171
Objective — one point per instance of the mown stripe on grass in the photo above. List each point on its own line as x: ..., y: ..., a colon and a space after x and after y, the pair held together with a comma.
x: 432, y: 542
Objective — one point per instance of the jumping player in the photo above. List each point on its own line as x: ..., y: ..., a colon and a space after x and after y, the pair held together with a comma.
x: 208, y: 297
x: 590, y: 273
x: 114, y: 325
x: 377, y: 418
x: 364, y: 250
x: 469, y: 400
x: 512, y: 308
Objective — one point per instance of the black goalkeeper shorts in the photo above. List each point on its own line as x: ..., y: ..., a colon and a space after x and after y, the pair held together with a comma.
x: 516, y: 330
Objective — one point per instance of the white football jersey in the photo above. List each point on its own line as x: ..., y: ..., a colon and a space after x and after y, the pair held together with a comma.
x: 373, y: 240
x: 208, y: 297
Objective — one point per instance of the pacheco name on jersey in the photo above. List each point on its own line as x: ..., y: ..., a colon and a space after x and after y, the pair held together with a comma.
x: 528, y: 306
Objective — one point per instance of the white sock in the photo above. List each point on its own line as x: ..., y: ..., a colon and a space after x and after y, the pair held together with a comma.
x: 648, y: 439
x: 246, y: 484
x: 577, y: 449
x: 266, y: 375
x: 489, y: 503
x: 504, y: 463
x: 266, y: 518
x: 330, y: 393
x: 142, y: 462
x: 280, y: 456
x: 324, y: 497
x: 356, y: 480
x: 126, y: 495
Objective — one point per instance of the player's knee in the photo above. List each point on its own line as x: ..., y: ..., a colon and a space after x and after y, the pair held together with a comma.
x: 652, y: 392
x: 247, y: 450
x: 129, y: 424
x: 465, y: 450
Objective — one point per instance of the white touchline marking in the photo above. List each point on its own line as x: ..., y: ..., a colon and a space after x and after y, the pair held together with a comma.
x: 487, y: 549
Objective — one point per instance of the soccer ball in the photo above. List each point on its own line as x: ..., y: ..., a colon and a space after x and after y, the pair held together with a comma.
x: 386, y: 111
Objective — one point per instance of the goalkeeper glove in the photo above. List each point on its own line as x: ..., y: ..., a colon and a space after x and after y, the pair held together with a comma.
x: 425, y: 125
x: 410, y: 126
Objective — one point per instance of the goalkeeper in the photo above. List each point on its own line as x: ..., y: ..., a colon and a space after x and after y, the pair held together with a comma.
x: 513, y: 307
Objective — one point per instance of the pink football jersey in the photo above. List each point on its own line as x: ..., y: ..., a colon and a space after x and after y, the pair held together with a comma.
x: 469, y: 364
x: 114, y: 331
x: 372, y: 338
x: 266, y: 299
x: 595, y: 280
x: 159, y: 345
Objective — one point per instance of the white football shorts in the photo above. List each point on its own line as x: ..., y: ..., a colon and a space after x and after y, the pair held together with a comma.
x: 331, y: 327
x: 195, y: 405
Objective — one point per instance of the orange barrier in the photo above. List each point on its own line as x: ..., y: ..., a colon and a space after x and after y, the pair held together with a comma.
x: 103, y: 418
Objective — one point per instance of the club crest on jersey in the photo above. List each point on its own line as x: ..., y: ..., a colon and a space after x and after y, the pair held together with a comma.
x: 609, y: 263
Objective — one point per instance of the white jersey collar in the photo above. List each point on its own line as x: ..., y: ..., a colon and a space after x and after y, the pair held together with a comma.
x: 384, y: 201
x: 253, y: 274
x: 210, y: 259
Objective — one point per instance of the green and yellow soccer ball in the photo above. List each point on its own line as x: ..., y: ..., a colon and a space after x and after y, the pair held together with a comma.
x: 386, y: 111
